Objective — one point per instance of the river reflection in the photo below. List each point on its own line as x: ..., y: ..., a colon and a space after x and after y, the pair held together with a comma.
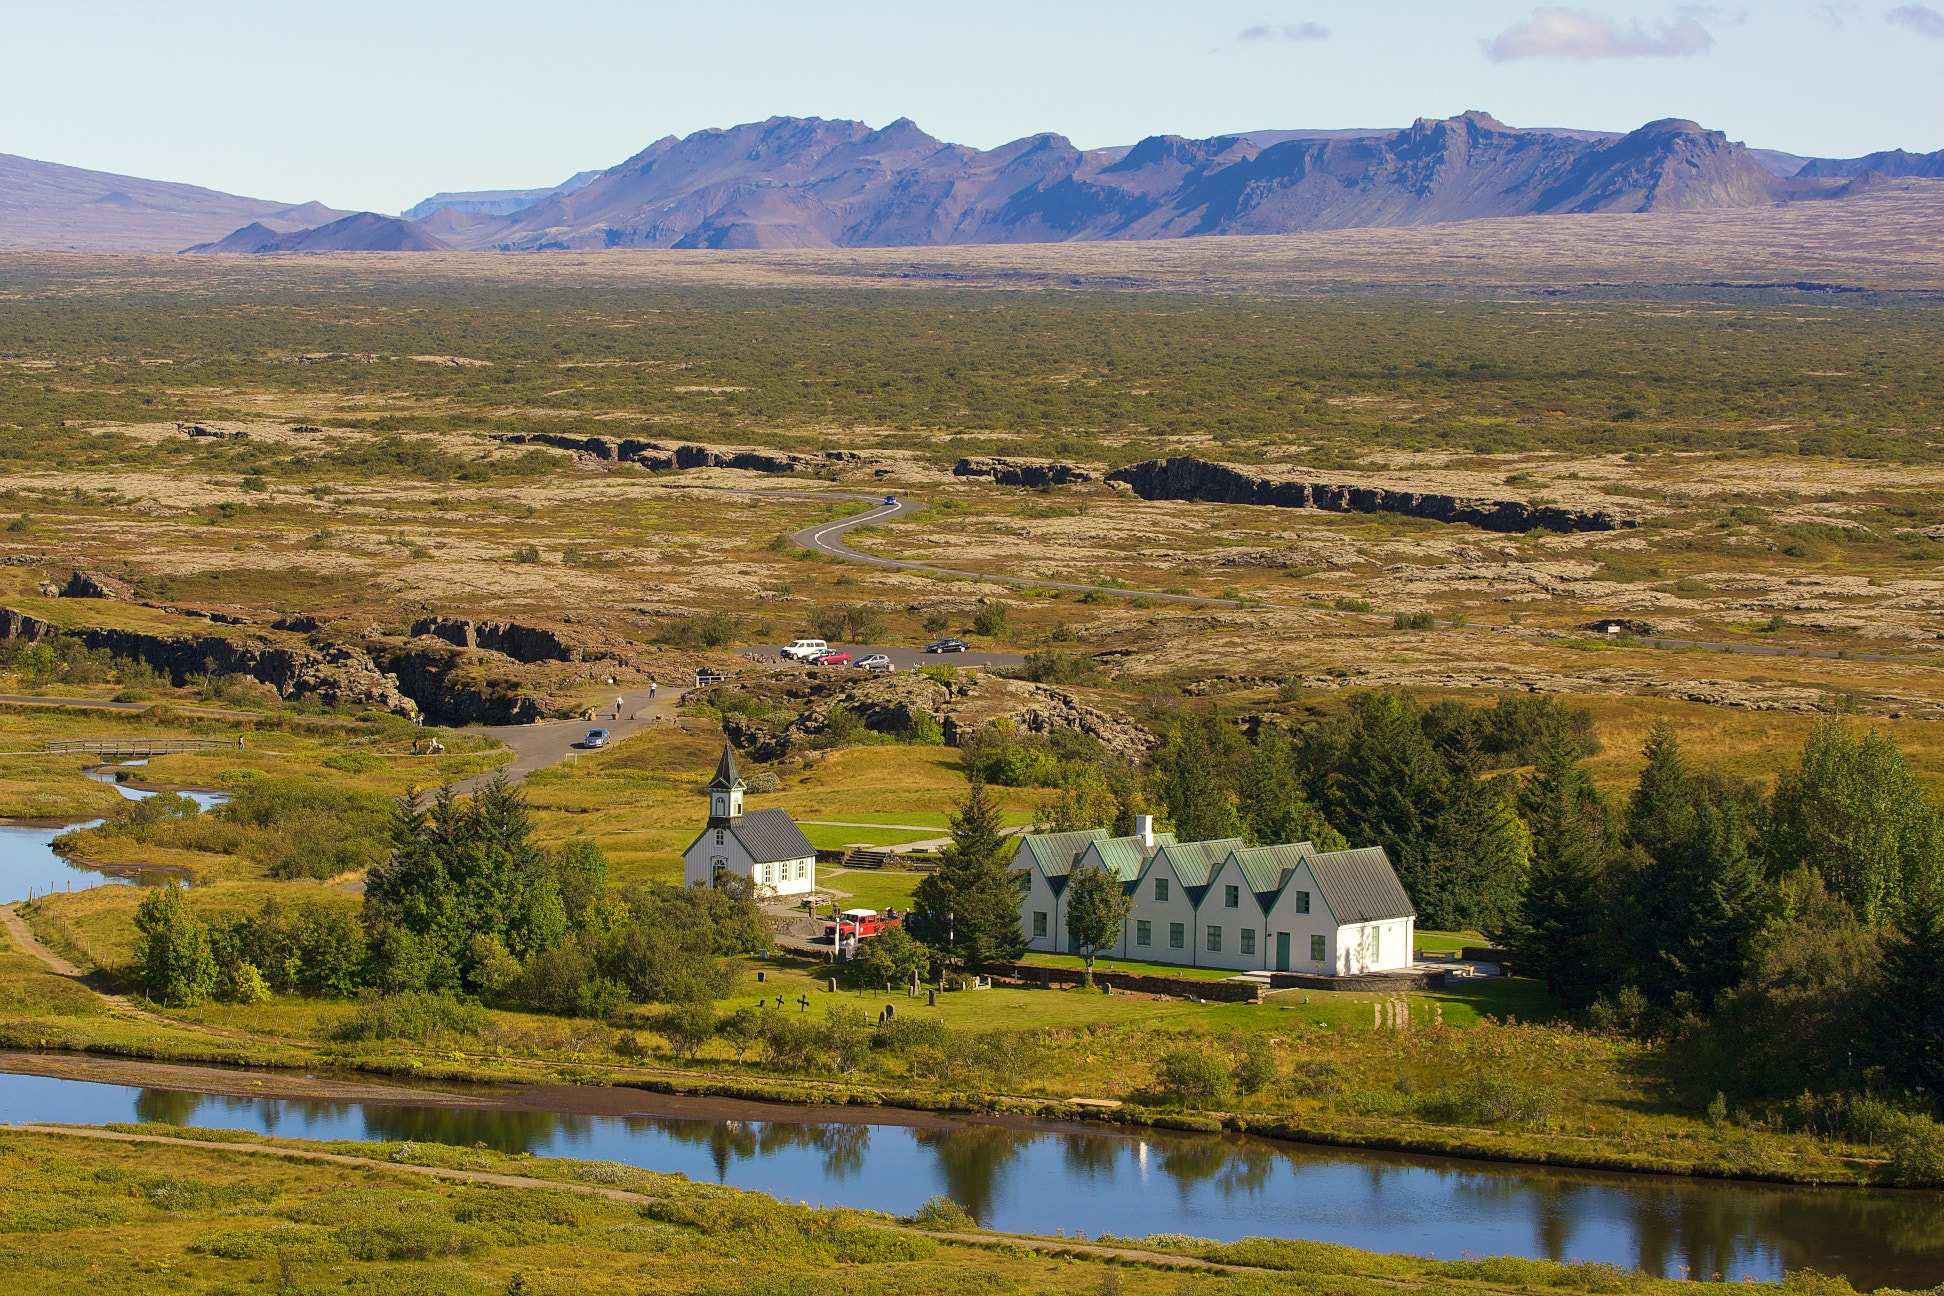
x: 1052, y: 1178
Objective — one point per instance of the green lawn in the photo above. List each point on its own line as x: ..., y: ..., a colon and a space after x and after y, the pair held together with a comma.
x: 1105, y: 964
x: 833, y: 837
x: 871, y: 889
x: 1446, y: 942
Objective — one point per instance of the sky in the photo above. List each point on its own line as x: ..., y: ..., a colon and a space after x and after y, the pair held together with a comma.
x: 375, y: 104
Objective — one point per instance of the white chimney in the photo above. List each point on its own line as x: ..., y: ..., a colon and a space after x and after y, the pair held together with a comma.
x: 1144, y: 829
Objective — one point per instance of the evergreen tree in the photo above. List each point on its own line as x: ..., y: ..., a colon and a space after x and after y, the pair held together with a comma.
x: 1473, y: 869
x: 968, y: 910
x: 1557, y: 930
x: 1379, y: 780
x: 1720, y: 901
x: 1275, y: 808
x: 178, y: 967
x: 1660, y: 812
x: 1909, y: 1027
x: 1097, y: 911
x: 1193, y: 774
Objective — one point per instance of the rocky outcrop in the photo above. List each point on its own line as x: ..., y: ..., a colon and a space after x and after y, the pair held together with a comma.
x: 1022, y: 472
x: 453, y: 686
x: 523, y: 643
x: 1198, y: 479
x: 659, y: 458
x: 334, y: 674
x: 96, y: 586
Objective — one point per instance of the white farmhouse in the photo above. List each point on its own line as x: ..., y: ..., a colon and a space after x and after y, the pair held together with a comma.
x: 1223, y: 904
x: 765, y: 848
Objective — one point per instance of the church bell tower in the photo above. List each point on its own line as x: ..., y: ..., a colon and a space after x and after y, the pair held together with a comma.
x: 725, y: 792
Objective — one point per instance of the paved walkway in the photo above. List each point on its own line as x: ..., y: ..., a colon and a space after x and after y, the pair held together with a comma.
x: 537, y: 746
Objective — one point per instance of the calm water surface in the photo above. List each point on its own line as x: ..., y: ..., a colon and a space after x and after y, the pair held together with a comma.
x: 1049, y: 1179
x: 29, y: 867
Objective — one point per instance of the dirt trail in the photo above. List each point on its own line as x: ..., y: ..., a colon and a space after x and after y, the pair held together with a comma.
x: 1045, y: 1246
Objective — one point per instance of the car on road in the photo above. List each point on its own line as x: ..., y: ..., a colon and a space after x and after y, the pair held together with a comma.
x: 876, y: 661
x: 832, y: 659
x: 891, y: 500
x: 948, y: 645
x: 595, y: 738
x: 857, y: 924
x: 805, y: 649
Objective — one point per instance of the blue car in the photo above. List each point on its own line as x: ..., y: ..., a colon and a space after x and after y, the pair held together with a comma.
x: 595, y: 738
x: 891, y: 500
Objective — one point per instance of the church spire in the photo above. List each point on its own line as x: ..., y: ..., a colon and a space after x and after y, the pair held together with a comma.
x: 725, y: 792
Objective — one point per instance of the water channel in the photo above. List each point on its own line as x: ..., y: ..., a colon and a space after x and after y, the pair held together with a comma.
x: 1048, y: 1178
x: 30, y: 867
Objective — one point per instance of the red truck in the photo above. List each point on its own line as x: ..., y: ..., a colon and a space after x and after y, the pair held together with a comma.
x: 856, y: 924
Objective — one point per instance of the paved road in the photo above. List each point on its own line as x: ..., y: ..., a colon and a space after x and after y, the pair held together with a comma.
x: 906, y: 658
x: 828, y: 538
x: 537, y: 746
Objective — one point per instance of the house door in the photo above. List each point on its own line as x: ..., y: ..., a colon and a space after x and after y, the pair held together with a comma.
x: 1282, y: 951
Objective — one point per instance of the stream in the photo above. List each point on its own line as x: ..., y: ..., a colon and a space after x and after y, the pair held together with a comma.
x: 30, y: 867
x: 1047, y: 1178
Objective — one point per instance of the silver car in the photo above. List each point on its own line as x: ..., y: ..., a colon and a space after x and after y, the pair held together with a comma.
x: 876, y: 661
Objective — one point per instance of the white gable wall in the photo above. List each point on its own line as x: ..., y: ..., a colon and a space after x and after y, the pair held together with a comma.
x: 1246, y: 916
x: 720, y: 846
x: 1039, y: 901
x: 1161, y: 917
x: 1286, y: 918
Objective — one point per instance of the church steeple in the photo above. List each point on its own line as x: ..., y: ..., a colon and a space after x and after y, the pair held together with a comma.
x: 725, y: 792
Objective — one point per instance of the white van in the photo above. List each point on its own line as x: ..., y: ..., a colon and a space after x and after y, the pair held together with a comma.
x: 806, y: 649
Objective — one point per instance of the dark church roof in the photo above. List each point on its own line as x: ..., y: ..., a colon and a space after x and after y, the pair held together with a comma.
x: 771, y: 835
x: 726, y: 776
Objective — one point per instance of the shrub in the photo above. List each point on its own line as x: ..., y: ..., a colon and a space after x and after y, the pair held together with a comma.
x: 1194, y: 1074
x: 527, y: 553
x: 1347, y: 604
x: 1050, y: 667
x: 793, y: 1042
x: 687, y: 1027
x: 172, y: 948
x: 890, y: 958
x: 707, y: 630
x: 943, y: 1215
x: 356, y: 762
x: 1413, y: 621
x: 907, y: 1034
x: 412, y: 1015
x: 991, y: 620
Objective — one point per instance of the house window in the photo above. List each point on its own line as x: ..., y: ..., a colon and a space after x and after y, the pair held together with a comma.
x: 1143, y: 932
x: 1161, y: 890
x: 1376, y: 944
x: 1039, y: 922
x: 1232, y: 897
x: 1248, y: 940
x: 1177, y: 935
x: 718, y: 836
x: 803, y: 868
x: 1316, y: 949
x: 1214, y: 940
x: 1302, y: 902
x: 769, y: 873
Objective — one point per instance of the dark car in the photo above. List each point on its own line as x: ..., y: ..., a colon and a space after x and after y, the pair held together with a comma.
x: 891, y: 500
x: 947, y: 645
x: 595, y: 738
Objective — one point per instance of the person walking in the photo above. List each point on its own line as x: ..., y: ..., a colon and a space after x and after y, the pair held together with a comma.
x: 617, y: 708
x: 651, y: 688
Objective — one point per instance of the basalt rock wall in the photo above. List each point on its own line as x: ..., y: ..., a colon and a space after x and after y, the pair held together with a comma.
x: 1198, y: 479
x: 452, y: 688
x: 1022, y: 472
x: 522, y: 643
x: 660, y: 458
x: 333, y: 673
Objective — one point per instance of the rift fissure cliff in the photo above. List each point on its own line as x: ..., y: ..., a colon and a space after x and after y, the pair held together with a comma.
x: 656, y: 457
x: 1216, y: 483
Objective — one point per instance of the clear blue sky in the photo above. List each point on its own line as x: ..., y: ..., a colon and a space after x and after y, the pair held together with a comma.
x: 377, y: 103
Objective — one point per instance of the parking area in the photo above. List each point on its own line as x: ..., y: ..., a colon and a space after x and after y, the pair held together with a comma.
x: 906, y: 658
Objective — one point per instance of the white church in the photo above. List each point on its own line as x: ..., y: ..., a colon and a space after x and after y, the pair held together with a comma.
x: 1226, y: 904
x: 764, y: 848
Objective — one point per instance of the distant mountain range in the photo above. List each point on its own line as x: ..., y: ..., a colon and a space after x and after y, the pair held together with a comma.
x: 809, y: 182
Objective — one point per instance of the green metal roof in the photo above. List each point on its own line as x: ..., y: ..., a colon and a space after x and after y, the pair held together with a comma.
x: 1056, y: 853
x: 1127, y: 856
x: 1194, y: 863
x: 1268, y: 868
x: 1361, y: 886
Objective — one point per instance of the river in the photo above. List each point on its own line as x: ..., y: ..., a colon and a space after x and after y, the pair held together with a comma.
x: 1069, y: 1179
x: 30, y: 867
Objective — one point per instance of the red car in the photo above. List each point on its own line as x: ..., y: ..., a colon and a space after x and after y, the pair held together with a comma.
x: 832, y: 659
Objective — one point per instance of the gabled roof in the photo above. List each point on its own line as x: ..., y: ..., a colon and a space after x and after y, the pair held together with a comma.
x: 1361, y: 886
x: 771, y: 835
x: 1127, y: 856
x: 1269, y: 868
x: 1195, y: 863
x: 1055, y: 854
x: 726, y: 777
